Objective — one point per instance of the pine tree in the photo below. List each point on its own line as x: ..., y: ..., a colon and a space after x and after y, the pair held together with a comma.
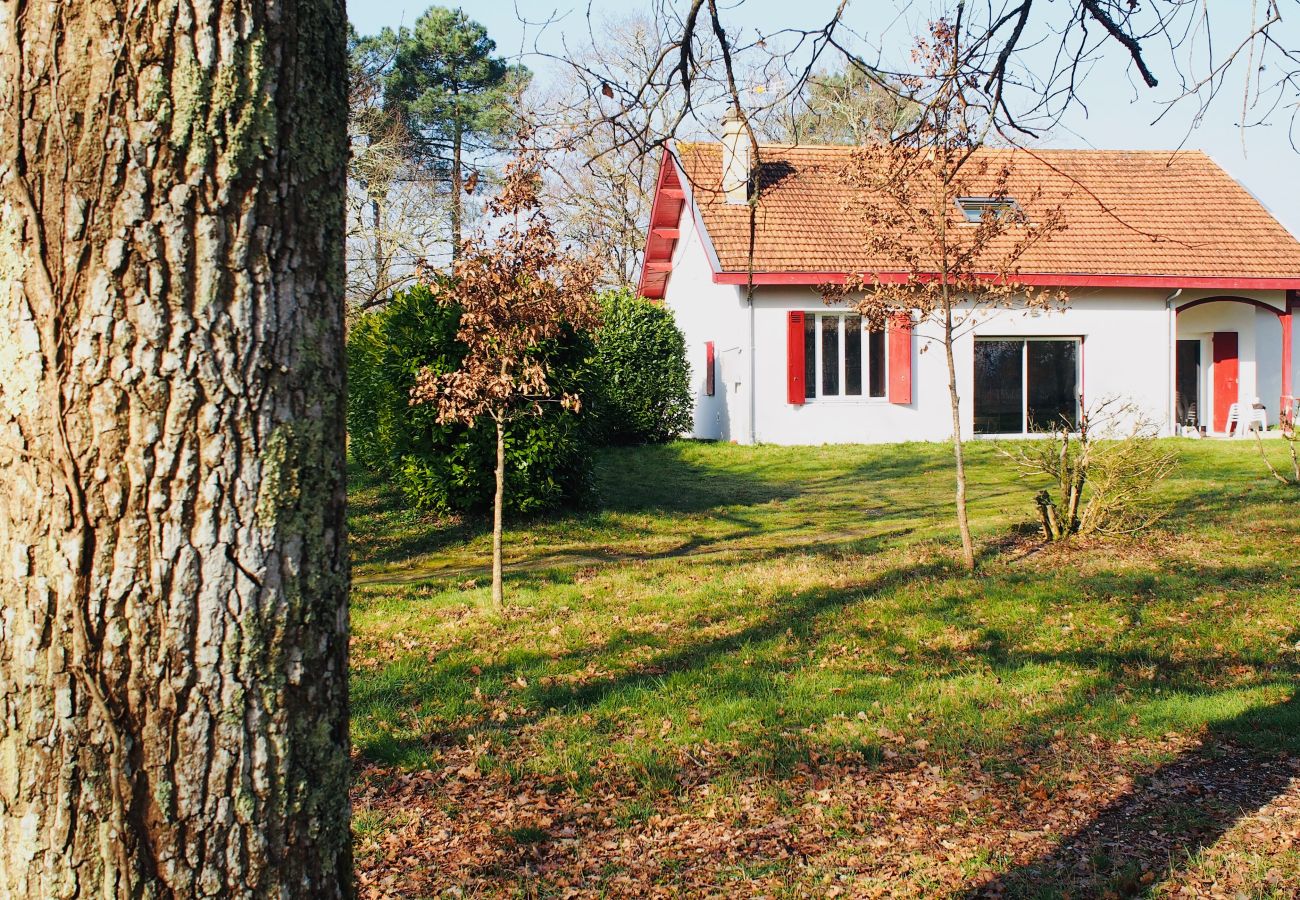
x: 457, y: 98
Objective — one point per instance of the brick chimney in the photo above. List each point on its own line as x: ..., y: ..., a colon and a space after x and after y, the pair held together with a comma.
x: 735, y: 159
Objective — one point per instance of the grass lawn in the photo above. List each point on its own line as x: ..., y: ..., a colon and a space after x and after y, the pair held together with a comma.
x: 762, y: 672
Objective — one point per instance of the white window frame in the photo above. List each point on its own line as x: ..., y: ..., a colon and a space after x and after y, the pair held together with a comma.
x: 841, y: 397
x: 1024, y: 381
x: 967, y: 205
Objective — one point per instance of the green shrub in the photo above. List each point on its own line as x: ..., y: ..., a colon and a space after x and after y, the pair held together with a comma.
x: 644, y: 386
x: 450, y: 467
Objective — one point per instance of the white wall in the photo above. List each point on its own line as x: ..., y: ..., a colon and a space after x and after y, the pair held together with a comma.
x: 710, y: 312
x: 1125, y: 353
x: 1268, y: 361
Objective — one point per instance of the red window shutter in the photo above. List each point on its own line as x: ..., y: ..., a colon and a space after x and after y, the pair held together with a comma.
x: 794, y: 358
x: 708, y: 368
x: 900, y: 359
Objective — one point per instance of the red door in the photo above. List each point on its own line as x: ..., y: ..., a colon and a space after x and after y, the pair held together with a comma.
x: 1225, y: 376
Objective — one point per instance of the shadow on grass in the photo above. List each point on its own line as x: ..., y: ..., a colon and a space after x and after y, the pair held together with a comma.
x: 658, y: 478
x: 667, y: 478
x: 1133, y: 672
x: 799, y: 616
x: 735, y: 547
x: 1180, y: 809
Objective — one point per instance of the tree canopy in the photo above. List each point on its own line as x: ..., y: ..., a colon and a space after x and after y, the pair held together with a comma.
x: 457, y: 98
x: 845, y: 107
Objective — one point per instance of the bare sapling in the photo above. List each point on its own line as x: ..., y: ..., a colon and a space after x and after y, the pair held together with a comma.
x: 1103, y: 476
x: 1292, y: 438
x: 935, y: 267
x: 516, y: 290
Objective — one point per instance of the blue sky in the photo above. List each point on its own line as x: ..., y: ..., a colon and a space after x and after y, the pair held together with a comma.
x: 1119, y: 116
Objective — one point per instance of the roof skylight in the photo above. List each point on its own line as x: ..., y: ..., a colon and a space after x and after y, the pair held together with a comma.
x: 975, y: 208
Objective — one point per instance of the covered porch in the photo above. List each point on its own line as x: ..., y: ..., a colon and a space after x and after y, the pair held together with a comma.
x: 1234, y: 350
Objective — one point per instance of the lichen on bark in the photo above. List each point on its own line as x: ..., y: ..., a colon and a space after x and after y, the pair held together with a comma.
x: 172, y: 549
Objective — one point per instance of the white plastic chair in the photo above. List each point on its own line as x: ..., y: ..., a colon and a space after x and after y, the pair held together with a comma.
x: 1243, y: 418
x: 1234, y: 427
x: 1256, y: 418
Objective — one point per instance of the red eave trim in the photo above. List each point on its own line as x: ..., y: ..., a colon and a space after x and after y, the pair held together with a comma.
x: 1063, y: 279
x: 661, y: 237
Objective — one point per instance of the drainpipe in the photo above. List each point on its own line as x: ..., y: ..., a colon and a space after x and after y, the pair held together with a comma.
x: 736, y: 171
x: 1171, y: 373
x: 753, y: 371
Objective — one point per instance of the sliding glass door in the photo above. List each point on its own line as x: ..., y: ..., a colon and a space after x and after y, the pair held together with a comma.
x: 1026, y: 385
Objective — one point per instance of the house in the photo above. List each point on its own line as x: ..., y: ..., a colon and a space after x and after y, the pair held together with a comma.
x: 1182, y: 292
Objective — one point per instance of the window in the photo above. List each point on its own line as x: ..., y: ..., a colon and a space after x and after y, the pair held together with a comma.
x: 710, y: 364
x: 1026, y: 385
x: 876, y: 350
x: 841, y: 357
x: 830, y: 355
x: 975, y: 208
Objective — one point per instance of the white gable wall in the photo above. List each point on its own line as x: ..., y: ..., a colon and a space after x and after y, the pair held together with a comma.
x: 710, y: 312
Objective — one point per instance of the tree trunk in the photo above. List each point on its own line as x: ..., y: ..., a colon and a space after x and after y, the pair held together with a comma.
x: 456, y: 197
x: 498, y: 592
x: 173, y: 640
x: 963, y: 521
x: 1047, y: 513
x: 381, y: 265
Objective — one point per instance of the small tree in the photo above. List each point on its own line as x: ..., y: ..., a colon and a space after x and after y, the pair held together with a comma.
x: 516, y: 292
x: 933, y: 262
x: 1103, y: 478
x: 448, y: 468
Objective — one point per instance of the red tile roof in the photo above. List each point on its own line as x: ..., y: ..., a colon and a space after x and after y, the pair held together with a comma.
x: 1154, y: 214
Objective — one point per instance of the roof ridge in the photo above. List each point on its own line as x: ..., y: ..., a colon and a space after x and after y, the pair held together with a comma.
x: 1148, y: 151
x: 1152, y: 211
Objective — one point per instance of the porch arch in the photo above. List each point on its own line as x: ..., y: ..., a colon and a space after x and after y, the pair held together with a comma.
x: 1228, y: 298
x: 1287, y: 402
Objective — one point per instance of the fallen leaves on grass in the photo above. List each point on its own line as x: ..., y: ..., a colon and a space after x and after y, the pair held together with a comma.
x: 1091, y: 818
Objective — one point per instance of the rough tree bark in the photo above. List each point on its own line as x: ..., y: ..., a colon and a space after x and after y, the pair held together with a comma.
x: 173, y: 638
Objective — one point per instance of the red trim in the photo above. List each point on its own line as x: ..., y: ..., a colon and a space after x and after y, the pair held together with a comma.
x: 1256, y: 303
x: 1227, y: 384
x: 1288, y: 345
x: 1037, y: 279
x: 794, y: 386
x: 661, y: 238
x: 1083, y: 373
x: 708, y: 368
x: 898, y: 338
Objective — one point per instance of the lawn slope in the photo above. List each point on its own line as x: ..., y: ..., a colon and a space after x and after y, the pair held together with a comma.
x: 761, y: 671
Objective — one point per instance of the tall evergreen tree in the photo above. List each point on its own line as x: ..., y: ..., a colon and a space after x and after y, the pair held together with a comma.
x: 458, y: 99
